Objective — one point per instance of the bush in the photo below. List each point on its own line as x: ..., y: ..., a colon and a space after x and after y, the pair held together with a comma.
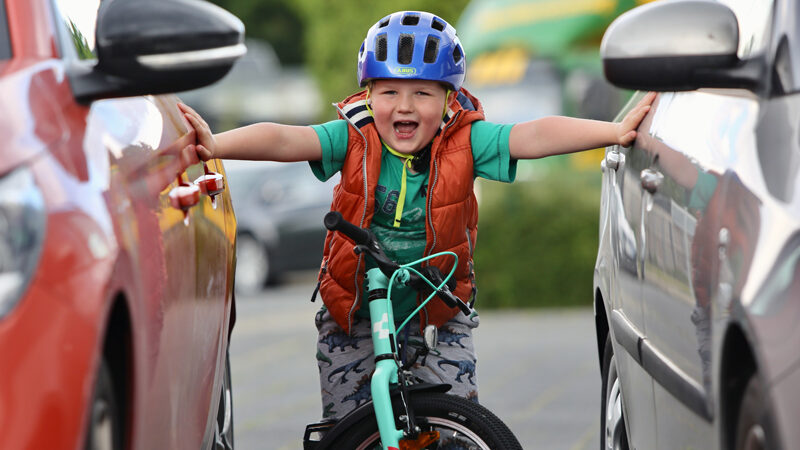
x: 537, y: 241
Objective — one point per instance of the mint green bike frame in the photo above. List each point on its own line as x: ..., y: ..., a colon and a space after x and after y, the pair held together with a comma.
x: 385, y: 347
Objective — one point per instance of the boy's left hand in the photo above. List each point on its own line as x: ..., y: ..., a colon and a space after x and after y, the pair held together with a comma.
x: 626, y: 130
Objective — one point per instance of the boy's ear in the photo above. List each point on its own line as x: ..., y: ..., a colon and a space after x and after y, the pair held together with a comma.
x: 451, y: 97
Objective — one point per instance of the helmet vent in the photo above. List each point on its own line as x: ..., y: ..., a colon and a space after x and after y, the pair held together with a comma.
x: 437, y: 24
x: 457, y: 54
x: 405, y: 51
x: 431, y: 48
x: 380, y: 47
x: 384, y: 23
x: 410, y: 19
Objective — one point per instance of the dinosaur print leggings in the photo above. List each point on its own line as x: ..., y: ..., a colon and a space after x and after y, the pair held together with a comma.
x: 346, y: 362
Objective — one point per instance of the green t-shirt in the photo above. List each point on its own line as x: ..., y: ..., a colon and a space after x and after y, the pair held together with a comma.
x: 406, y: 243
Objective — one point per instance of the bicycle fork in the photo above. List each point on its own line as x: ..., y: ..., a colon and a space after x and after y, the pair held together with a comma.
x: 386, y: 366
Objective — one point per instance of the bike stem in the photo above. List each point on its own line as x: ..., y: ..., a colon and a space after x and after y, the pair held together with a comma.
x: 386, y: 366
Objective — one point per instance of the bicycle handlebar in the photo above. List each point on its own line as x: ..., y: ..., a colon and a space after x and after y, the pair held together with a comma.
x: 335, y: 222
x: 366, y: 241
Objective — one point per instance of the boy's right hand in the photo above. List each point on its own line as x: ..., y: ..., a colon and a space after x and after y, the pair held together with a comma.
x: 206, y: 145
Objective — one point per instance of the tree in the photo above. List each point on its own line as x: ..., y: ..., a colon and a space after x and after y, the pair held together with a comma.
x: 275, y: 21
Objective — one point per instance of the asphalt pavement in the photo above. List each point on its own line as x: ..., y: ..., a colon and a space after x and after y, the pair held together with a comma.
x: 537, y: 370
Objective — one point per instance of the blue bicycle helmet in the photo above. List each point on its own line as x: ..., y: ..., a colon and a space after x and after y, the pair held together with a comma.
x: 412, y: 45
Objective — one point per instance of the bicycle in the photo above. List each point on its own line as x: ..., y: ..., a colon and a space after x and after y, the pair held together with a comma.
x: 403, y: 413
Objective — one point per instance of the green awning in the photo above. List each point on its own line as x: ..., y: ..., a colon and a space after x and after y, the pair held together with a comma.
x: 542, y: 27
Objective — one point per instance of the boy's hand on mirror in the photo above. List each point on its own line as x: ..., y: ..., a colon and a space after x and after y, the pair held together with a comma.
x: 203, y: 136
x: 626, y: 130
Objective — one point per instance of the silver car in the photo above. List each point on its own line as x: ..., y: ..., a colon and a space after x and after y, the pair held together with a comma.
x: 697, y: 279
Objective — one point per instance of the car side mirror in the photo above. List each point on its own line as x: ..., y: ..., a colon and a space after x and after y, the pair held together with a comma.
x: 159, y: 46
x: 676, y: 46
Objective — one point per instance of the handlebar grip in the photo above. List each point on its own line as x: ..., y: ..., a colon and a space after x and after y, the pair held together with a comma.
x: 335, y: 222
x: 451, y: 300
x: 465, y: 308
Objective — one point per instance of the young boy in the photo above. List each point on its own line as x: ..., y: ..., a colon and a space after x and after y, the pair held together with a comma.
x: 409, y: 148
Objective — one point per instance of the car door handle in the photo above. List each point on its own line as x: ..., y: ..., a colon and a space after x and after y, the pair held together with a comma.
x: 211, y: 184
x: 184, y: 195
x: 613, y: 160
x: 651, y: 180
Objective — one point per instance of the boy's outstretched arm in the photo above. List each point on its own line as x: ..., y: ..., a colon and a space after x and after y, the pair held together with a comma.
x: 260, y: 141
x: 557, y: 135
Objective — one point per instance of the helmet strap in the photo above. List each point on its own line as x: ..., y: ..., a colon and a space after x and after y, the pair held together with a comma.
x: 368, y: 100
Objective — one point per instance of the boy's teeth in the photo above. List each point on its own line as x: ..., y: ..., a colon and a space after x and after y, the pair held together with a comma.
x: 405, y: 127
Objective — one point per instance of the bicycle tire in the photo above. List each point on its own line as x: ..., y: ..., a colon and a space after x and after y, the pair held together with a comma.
x: 461, y: 422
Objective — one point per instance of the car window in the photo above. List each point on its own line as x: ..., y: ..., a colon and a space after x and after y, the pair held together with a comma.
x: 78, y: 19
x: 5, y: 42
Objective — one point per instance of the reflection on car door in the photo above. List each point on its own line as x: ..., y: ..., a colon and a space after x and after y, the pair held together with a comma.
x: 627, y: 317
x: 215, y: 229
x: 144, y: 152
x: 684, y: 202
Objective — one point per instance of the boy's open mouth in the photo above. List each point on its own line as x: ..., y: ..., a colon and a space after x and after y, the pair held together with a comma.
x: 405, y: 128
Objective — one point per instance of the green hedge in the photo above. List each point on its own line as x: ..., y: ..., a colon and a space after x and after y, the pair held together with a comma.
x: 537, y: 241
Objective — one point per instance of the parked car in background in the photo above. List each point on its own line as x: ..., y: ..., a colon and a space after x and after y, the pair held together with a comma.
x: 279, y: 208
x: 116, y: 246
x: 697, y: 279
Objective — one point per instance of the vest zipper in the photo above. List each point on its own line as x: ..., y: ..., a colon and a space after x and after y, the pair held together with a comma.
x: 435, y: 179
x: 452, y: 121
x: 469, y: 242
x: 363, y: 215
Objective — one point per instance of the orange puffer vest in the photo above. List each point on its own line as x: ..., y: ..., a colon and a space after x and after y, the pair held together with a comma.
x: 451, y: 211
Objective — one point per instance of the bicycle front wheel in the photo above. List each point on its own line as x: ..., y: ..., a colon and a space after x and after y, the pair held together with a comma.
x: 461, y: 424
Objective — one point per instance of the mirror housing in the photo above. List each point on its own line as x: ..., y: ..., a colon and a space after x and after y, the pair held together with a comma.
x: 158, y: 46
x: 676, y: 46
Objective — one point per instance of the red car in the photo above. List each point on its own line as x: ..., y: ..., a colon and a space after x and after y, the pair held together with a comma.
x: 116, y: 244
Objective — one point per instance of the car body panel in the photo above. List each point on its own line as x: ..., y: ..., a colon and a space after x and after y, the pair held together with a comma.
x: 685, y: 215
x: 105, y: 171
x: 716, y: 250
x: 619, y: 241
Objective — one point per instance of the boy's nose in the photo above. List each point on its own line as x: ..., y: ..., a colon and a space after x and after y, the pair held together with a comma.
x: 406, y: 103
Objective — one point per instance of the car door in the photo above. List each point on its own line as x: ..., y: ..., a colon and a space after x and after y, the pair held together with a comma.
x: 623, y: 168
x: 173, y: 241
x: 677, y: 189
x: 215, y: 234
x: 162, y: 249
x: 691, y: 212
x: 692, y: 207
